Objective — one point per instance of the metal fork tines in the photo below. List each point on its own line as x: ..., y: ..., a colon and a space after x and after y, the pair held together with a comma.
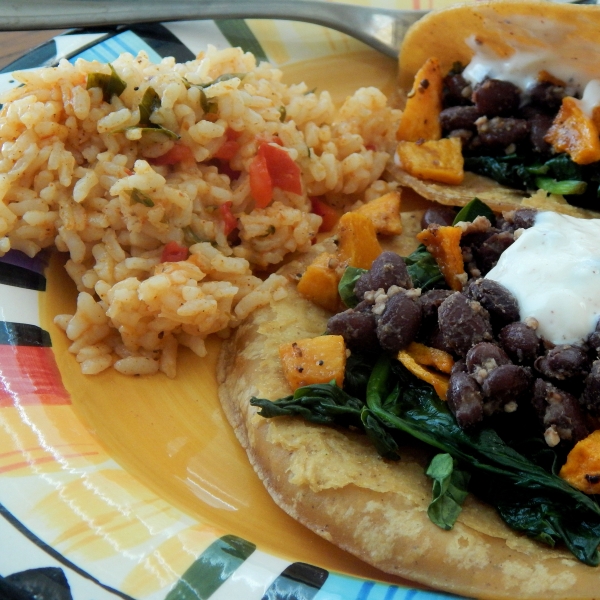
x: 383, y: 29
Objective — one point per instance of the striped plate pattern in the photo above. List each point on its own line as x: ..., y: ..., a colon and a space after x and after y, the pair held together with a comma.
x: 60, y: 492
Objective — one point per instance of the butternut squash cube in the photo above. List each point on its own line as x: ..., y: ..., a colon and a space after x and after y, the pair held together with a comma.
x: 582, y: 469
x: 319, y: 283
x: 575, y: 133
x: 438, y: 160
x: 358, y: 243
x: 439, y: 381
x: 384, y: 213
x: 431, y: 357
x: 421, y: 117
x: 314, y: 360
x: 444, y: 245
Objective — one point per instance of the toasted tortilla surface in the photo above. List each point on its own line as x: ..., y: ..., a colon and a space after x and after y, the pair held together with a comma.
x: 334, y: 482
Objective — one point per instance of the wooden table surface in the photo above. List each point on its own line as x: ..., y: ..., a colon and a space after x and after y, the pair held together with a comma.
x: 14, y: 44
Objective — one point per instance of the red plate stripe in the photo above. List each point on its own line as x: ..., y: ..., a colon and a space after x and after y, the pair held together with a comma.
x: 29, y: 375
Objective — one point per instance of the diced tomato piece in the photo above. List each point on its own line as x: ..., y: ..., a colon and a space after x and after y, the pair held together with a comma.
x: 329, y: 215
x: 229, y: 221
x: 261, y: 186
x: 174, y: 252
x: 232, y: 134
x: 178, y: 153
x: 228, y: 150
x: 284, y: 172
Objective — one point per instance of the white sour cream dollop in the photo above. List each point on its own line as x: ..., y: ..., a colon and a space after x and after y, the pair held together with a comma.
x: 553, y: 270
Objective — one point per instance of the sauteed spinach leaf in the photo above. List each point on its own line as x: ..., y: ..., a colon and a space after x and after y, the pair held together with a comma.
x: 472, y: 210
x: 423, y: 270
x: 557, y: 175
x: 449, y: 490
x: 529, y: 498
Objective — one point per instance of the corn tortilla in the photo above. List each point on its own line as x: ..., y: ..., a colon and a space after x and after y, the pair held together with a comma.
x: 503, y: 26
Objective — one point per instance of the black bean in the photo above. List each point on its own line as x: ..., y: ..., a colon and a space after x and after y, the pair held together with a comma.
x: 464, y: 135
x: 496, y: 299
x: 524, y: 218
x: 590, y: 398
x: 483, y: 358
x: 562, y: 362
x: 433, y: 338
x: 504, y: 387
x: 547, y: 96
x: 399, y: 323
x: 500, y: 132
x: 459, y: 117
x: 463, y: 323
x: 388, y: 269
x: 429, y: 333
x: 559, y: 411
x: 438, y: 215
x: 464, y: 399
x: 457, y: 90
x: 356, y: 327
x: 594, y: 338
x: 520, y: 342
x: 538, y: 128
x: 496, y: 98
x: 431, y: 301
x: 487, y: 254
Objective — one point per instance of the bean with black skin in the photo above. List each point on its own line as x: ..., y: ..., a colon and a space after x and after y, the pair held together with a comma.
x: 522, y: 218
x: 485, y: 356
x: 538, y: 128
x: 496, y: 299
x: 438, y: 215
x: 464, y: 399
x: 459, y: 117
x: 547, y: 96
x: 500, y: 132
x: 594, y: 339
x: 463, y: 323
x: 496, y: 98
x: 464, y: 135
x: 590, y: 398
x: 564, y: 361
x: 457, y: 90
x: 399, y: 324
x: 430, y: 302
x: 504, y: 387
x: 520, y: 342
x: 358, y: 328
x: 488, y: 253
x: 429, y: 332
x: 388, y: 269
x: 558, y: 408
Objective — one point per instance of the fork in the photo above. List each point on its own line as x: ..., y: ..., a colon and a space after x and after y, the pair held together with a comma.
x: 380, y: 28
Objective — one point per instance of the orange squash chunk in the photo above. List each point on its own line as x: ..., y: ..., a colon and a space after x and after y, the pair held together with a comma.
x: 582, y: 469
x: 358, y: 243
x: 421, y: 117
x: 438, y: 160
x: 575, y: 133
x: 314, y: 360
x: 444, y: 245
x: 384, y: 213
x: 431, y: 357
x: 439, y: 381
x: 319, y: 283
